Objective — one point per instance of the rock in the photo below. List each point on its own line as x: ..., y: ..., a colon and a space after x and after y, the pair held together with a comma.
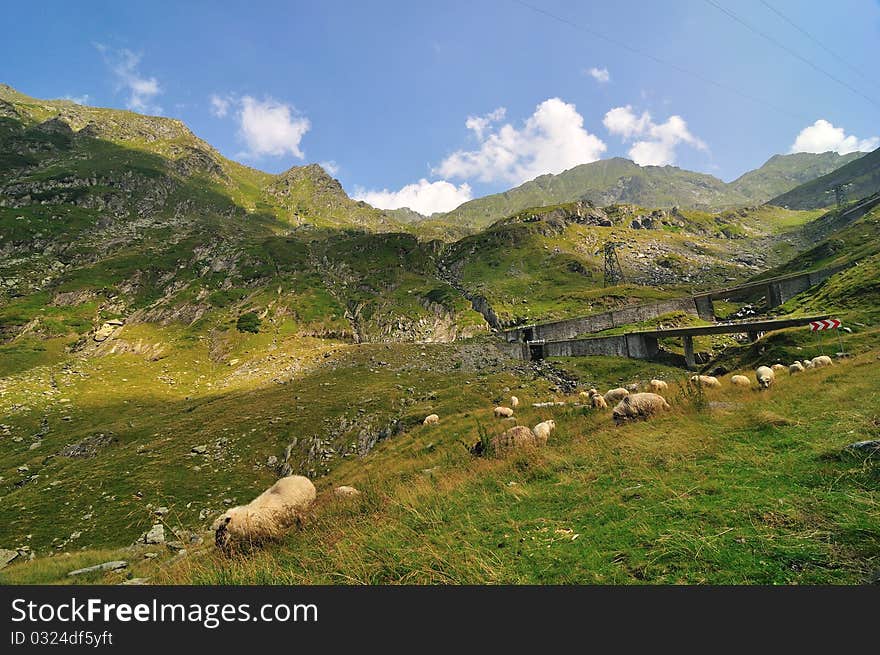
x: 115, y: 565
x: 155, y: 535
x: 871, y: 448
x: 160, y: 511
x: 200, y: 450
x: 104, y: 332
x: 272, y: 461
x: 346, y: 492
x: 136, y: 581
x: 7, y: 556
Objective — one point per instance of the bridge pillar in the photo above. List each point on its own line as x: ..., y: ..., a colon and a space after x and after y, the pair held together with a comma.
x: 753, y: 335
x: 774, y: 295
x: 689, y: 360
x: 705, y: 308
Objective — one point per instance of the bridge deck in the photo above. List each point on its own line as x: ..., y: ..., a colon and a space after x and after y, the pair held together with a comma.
x: 733, y: 327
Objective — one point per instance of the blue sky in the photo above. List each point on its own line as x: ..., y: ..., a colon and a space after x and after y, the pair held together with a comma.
x: 428, y: 104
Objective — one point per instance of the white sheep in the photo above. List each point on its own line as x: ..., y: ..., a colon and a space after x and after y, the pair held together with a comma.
x: 345, y: 491
x: 543, y: 429
x: 780, y: 368
x: 657, y: 386
x: 822, y: 360
x: 503, y: 412
x: 615, y: 395
x: 267, y: 516
x: 707, y: 381
x: 795, y: 367
x: 431, y: 419
x: 597, y: 401
x: 514, y: 402
x: 639, y: 406
x: 740, y: 381
x: 516, y: 437
x: 765, y: 376
x: 808, y: 363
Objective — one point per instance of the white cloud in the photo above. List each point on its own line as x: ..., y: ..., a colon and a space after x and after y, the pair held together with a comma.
x: 822, y: 136
x: 424, y: 197
x: 479, y: 124
x: 80, y: 100
x: 269, y: 127
x: 551, y: 140
x: 220, y: 105
x: 141, y: 90
x: 656, y: 142
x: 601, y: 75
x: 330, y: 166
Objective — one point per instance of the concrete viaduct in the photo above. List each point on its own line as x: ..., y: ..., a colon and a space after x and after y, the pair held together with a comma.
x: 643, y: 344
x: 777, y: 290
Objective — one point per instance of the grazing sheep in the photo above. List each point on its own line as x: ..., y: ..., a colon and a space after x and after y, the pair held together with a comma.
x: 706, y: 381
x: 808, y: 363
x: 431, y: 419
x: 639, y: 406
x: 346, y: 492
x: 542, y: 430
x: 503, y: 412
x: 267, y: 516
x: 597, y: 401
x: 780, y: 368
x: 822, y: 360
x: 740, y: 381
x: 615, y: 395
x: 514, y: 402
x: 656, y: 386
x: 514, y: 439
x: 795, y: 367
x: 765, y: 376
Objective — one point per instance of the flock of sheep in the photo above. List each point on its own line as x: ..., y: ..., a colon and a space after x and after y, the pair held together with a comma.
x: 283, y: 504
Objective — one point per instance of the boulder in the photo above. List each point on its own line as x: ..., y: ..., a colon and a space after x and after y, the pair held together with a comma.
x: 155, y: 535
x: 115, y: 565
x: 7, y: 557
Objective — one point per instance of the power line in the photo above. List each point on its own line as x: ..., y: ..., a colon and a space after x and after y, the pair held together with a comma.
x: 817, y: 41
x: 685, y: 71
x: 791, y: 52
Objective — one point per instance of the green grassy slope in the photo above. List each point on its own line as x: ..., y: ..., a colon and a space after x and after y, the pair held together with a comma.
x: 862, y: 177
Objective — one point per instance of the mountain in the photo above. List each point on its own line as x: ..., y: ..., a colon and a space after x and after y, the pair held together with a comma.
x: 177, y: 331
x: 618, y: 180
x: 782, y: 172
x: 861, y: 178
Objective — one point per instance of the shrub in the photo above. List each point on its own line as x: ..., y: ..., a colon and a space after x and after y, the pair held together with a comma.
x: 248, y: 322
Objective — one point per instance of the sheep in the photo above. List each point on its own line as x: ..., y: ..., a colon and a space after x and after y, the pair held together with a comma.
x: 503, y: 412
x: 808, y: 363
x: 639, y: 406
x: 740, y: 381
x: 584, y: 395
x: 431, y: 419
x: 615, y: 395
x: 795, y: 367
x: 514, y: 402
x: 765, y: 376
x: 656, y: 386
x: 542, y: 430
x: 632, y: 388
x: 822, y: 360
x: 516, y: 437
x: 779, y: 368
x: 267, y: 516
x: 598, y: 402
x: 346, y: 492
x: 705, y: 381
